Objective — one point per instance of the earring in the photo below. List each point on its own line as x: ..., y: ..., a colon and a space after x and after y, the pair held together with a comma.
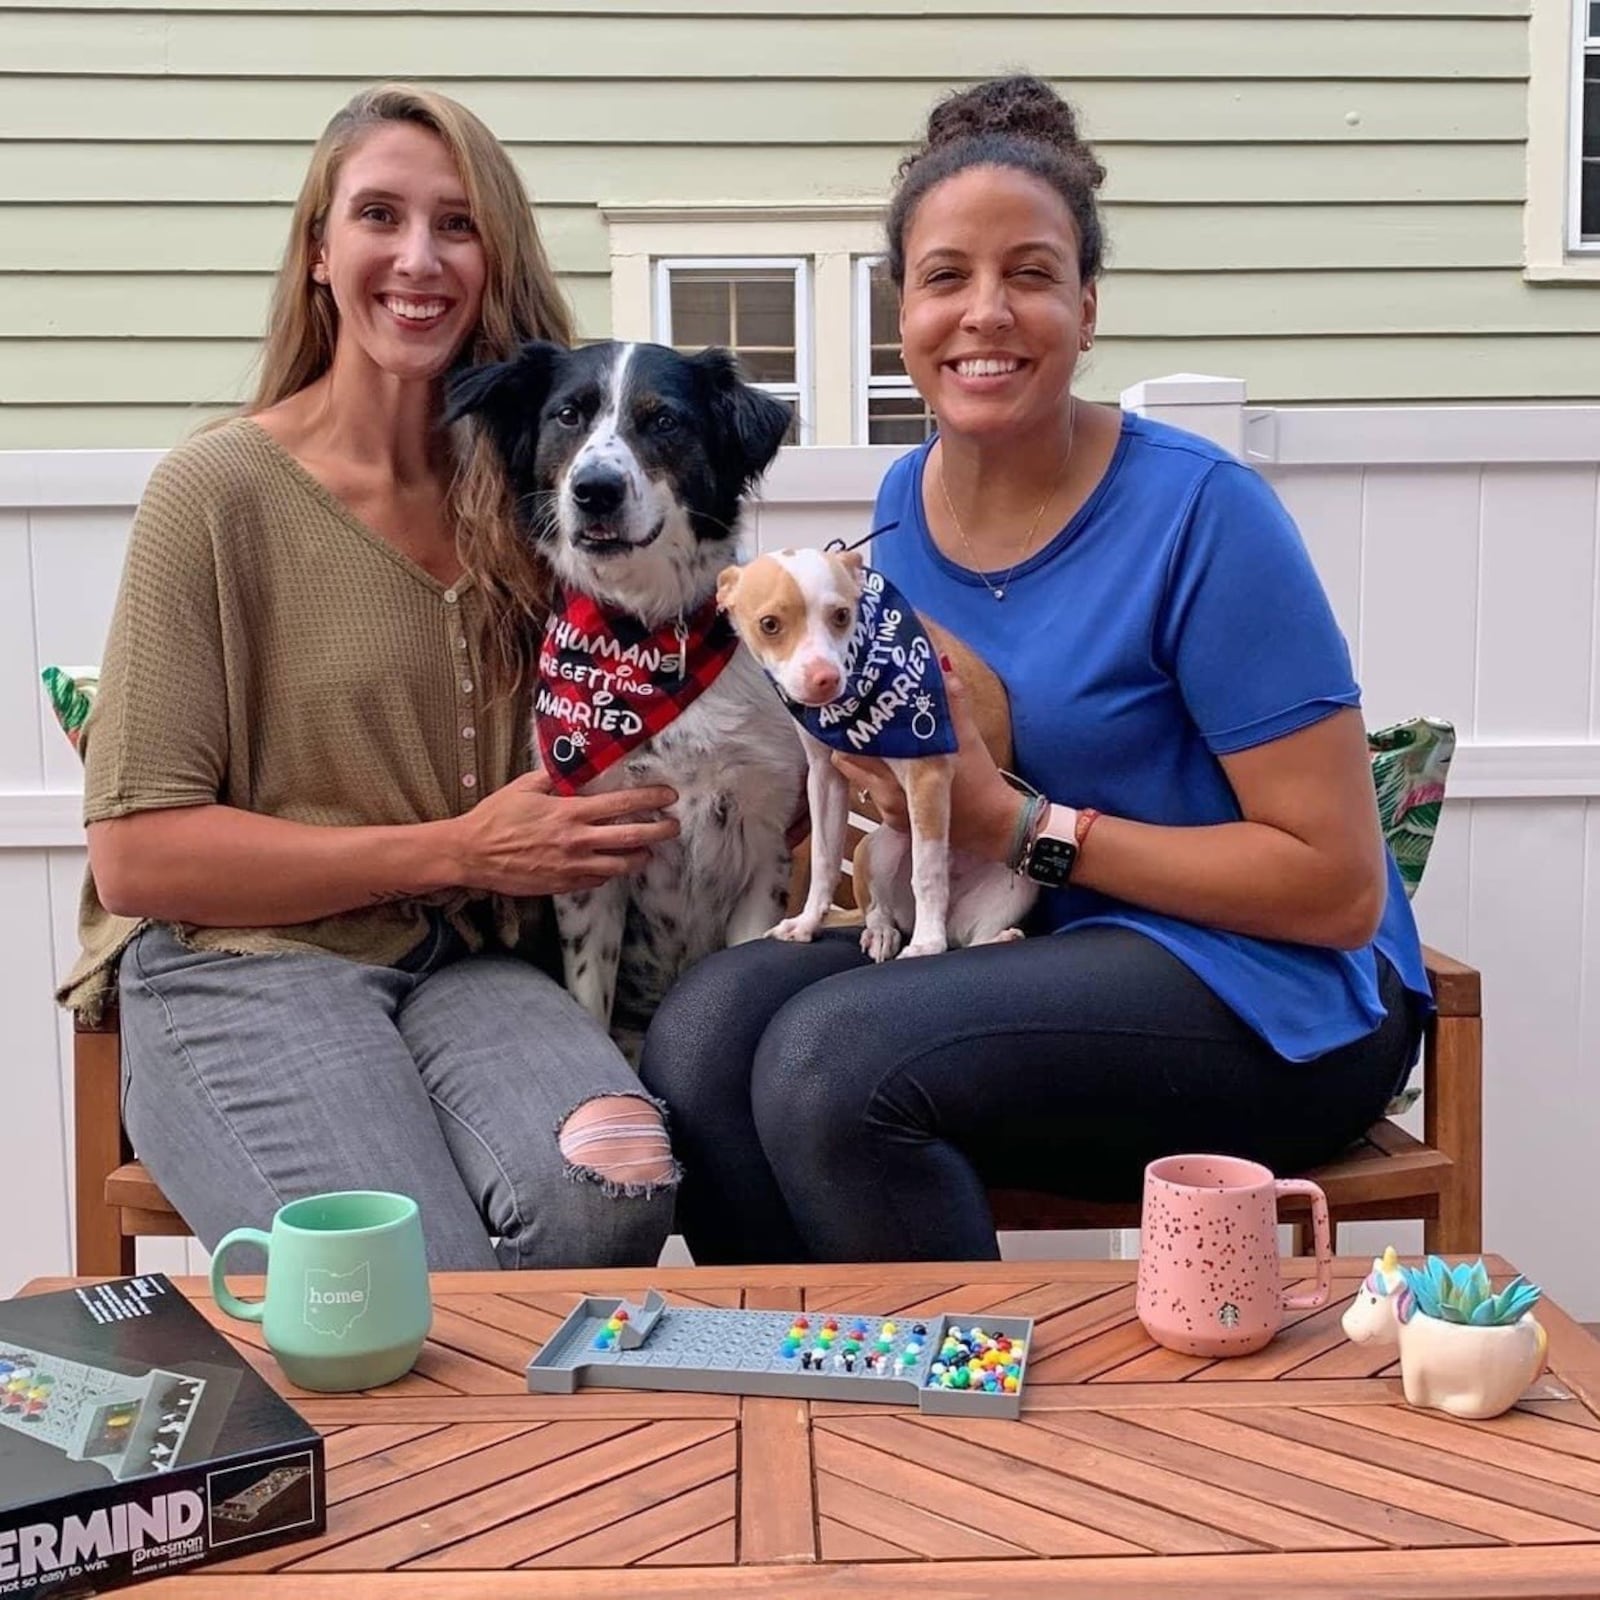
x: 319, y: 272
x: 1086, y: 342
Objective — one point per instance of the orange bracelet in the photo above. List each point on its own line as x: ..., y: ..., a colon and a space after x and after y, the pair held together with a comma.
x: 1087, y: 817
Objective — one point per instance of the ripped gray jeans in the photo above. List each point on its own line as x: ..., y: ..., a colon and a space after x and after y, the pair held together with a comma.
x: 473, y: 1083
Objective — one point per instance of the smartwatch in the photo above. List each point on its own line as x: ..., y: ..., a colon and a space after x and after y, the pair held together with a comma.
x: 1048, y: 859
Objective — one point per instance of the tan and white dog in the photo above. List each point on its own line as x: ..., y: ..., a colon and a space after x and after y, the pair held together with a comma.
x: 796, y: 611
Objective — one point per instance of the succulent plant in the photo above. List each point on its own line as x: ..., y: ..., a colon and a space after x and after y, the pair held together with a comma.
x: 1464, y: 1294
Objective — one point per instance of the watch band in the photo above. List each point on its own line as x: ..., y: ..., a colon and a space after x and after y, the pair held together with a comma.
x: 1049, y: 858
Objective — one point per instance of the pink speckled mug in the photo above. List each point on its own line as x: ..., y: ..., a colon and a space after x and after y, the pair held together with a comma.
x: 1210, y: 1283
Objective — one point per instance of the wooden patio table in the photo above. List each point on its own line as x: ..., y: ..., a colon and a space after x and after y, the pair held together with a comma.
x: 1299, y: 1471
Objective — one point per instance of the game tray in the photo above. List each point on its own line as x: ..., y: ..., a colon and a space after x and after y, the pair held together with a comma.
x: 912, y: 1360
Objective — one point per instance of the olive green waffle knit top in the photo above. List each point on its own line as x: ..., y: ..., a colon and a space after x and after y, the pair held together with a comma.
x: 270, y: 652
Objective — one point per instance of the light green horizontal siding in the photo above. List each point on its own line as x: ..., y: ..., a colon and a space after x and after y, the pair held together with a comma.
x: 330, y: 45
x: 127, y: 375
x: 1322, y: 196
x: 79, y: 238
x: 562, y: 111
x: 1147, y: 305
x: 576, y: 174
x: 131, y: 306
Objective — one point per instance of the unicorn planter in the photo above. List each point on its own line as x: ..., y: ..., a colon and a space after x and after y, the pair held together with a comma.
x: 1462, y: 1349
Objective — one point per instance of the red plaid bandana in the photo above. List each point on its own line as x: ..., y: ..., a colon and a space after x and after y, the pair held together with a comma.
x: 608, y: 683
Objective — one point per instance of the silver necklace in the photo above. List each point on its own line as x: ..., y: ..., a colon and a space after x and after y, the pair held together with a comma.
x: 999, y: 590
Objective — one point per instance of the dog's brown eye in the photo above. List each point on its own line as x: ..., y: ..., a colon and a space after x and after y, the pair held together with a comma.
x: 841, y: 617
x: 569, y: 416
x: 663, y: 422
x: 770, y: 626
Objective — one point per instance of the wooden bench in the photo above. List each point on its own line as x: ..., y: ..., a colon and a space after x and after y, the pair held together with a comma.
x: 1389, y: 1176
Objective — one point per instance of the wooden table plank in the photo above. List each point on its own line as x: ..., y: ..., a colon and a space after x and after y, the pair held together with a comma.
x: 1445, y: 1434
x: 713, y: 1548
x: 434, y: 1449
x: 1315, y: 1448
x: 777, y: 1509
x: 341, y: 1446
x: 869, y: 1452
x: 1434, y: 1445
x: 841, y: 1542
x: 1239, y: 1497
x: 1496, y: 1573
x: 559, y: 1460
x: 586, y: 1403
x: 410, y: 1504
x: 1042, y: 1469
x: 931, y: 1535
x: 647, y: 1486
x: 777, y: 1498
x: 663, y: 1530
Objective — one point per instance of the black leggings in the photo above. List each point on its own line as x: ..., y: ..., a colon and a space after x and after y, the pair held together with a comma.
x: 829, y: 1110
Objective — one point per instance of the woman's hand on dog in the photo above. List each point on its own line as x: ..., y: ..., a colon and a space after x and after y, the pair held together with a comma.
x: 525, y: 840
x: 983, y: 806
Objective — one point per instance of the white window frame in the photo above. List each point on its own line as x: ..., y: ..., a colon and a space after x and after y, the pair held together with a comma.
x: 866, y: 384
x: 828, y: 236
x: 1584, y: 45
x: 800, y: 391
x: 1552, y: 249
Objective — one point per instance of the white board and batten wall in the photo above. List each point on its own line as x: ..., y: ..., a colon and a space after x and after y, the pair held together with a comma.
x: 1461, y: 549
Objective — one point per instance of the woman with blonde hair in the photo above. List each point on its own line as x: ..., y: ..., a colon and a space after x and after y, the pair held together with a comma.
x: 316, y: 854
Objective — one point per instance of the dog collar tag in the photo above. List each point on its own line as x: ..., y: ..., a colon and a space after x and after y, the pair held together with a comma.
x: 893, y: 703
x: 607, y: 682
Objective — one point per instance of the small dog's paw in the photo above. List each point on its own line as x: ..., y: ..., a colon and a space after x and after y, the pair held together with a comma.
x: 1007, y: 936
x: 880, y: 941
x: 795, y: 930
x: 925, y: 947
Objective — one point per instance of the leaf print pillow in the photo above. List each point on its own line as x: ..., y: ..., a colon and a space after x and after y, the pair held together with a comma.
x: 1410, y: 763
x: 72, y: 691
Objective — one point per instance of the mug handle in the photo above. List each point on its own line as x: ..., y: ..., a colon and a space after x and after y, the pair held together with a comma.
x: 245, y: 1310
x: 1322, y: 1234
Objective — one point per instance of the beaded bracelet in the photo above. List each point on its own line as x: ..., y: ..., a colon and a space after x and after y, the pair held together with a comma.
x: 1029, y: 820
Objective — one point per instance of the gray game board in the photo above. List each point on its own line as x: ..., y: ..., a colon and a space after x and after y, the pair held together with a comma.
x: 741, y: 1352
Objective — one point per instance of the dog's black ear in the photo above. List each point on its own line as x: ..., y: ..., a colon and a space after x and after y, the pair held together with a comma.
x: 506, y: 396
x: 750, y: 423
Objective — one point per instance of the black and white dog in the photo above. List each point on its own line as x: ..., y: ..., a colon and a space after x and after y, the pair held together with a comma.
x: 630, y: 463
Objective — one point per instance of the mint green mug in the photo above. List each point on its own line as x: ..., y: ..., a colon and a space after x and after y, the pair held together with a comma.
x: 347, y: 1302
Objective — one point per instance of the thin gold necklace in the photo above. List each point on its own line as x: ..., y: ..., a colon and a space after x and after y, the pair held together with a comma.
x: 999, y: 590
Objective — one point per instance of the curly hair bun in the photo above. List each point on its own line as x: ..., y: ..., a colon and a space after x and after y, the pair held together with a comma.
x: 1022, y: 107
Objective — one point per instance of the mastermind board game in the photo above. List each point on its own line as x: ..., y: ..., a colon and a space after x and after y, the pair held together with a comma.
x: 134, y: 1440
x: 948, y: 1366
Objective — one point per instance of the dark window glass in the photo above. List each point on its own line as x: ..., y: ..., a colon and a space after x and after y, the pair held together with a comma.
x: 897, y: 419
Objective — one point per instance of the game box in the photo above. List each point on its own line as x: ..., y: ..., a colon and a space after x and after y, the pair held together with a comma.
x: 134, y: 1441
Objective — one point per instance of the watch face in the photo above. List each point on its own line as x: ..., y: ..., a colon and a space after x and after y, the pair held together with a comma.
x: 1050, y: 860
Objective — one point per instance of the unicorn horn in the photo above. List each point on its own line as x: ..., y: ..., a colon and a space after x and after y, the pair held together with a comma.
x: 1391, y: 1261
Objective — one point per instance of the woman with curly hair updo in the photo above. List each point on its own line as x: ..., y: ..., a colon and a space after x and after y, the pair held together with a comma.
x: 1222, y: 957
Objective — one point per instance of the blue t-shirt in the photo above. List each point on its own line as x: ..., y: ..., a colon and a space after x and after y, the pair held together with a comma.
x: 1175, y: 619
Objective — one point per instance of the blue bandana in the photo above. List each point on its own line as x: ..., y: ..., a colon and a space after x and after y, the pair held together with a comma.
x: 893, y: 703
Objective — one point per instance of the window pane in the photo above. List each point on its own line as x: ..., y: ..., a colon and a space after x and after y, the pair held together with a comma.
x: 702, y: 309
x: 1589, y: 202
x: 764, y: 312
x: 1594, y: 19
x: 749, y: 310
x: 1591, y: 106
x: 884, y: 326
x: 767, y: 366
x: 897, y: 419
